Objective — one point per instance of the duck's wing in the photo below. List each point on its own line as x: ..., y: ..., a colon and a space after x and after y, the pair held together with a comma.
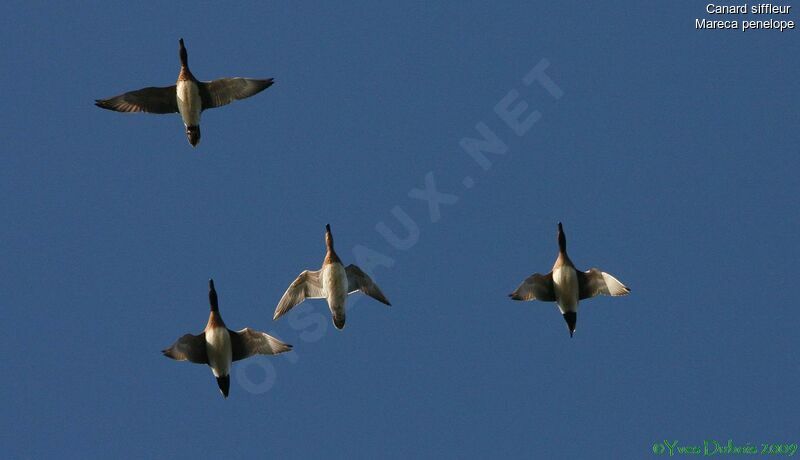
x: 249, y: 342
x: 595, y: 282
x: 189, y: 348
x: 150, y: 100
x: 220, y: 92
x: 306, y: 286
x: 536, y: 287
x: 357, y: 280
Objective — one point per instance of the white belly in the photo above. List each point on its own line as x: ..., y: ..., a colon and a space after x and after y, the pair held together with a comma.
x: 565, y: 283
x: 334, y: 283
x: 218, y: 347
x: 189, y: 103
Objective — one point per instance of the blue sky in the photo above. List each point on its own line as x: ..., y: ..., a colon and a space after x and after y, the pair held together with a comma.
x: 671, y: 156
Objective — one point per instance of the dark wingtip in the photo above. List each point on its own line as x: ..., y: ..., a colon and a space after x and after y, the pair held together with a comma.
x: 211, y: 283
x: 180, y: 40
x: 327, y: 227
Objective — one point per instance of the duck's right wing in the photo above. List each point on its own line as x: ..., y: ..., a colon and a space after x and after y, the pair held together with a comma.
x: 536, y: 287
x: 306, y: 286
x: 189, y: 348
x: 595, y: 282
x: 223, y: 91
x: 357, y: 280
x: 151, y: 100
x: 249, y: 342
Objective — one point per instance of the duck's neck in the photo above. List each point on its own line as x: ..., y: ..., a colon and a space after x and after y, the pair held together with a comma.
x: 214, y: 320
x: 330, y: 256
x: 563, y: 258
x: 185, y: 74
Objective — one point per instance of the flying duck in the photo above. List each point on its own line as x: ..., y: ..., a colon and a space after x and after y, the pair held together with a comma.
x: 566, y: 285
x: 188, y: 96
x: 219, y: 346
x: 332, y: 282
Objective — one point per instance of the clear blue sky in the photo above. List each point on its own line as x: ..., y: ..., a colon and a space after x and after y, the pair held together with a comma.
x: 671, y: 156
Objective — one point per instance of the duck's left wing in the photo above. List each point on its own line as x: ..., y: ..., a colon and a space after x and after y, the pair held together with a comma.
x: 188, y: 348
x: 151, y: 100
x: 357, y: 280
x: 594, y: 282
x: 220, y: 92
x: 535, y: 287
x: 307, y: 286
x: 249, y: 342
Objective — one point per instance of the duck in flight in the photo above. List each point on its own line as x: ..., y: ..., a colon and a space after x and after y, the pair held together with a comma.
x: 332, y: 282
x: 219, y: 346
x: 566, y: 285
x: 188, y: 96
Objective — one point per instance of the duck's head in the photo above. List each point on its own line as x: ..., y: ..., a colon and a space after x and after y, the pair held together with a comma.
x: 562, y: 238
x: 183, y: 54
x: 328, y: 236
x: 212, y: 296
